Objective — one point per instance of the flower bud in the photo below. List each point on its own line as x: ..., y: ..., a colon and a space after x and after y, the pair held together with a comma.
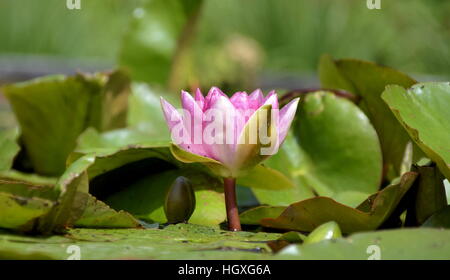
x: 180, y: 201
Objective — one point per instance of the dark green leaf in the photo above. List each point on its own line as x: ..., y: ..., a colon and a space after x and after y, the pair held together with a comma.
x: 428, y: 195
x: 440, y: 219
x: 306, y: 215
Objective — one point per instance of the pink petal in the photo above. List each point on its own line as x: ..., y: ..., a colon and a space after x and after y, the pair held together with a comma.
x: 174, y: 120
x: 271, y: 99
x: 171, y: 115
x: 240, y: 100
x: 192, y: 120
x: 256, y: 99
x: 287, y: 114
x: 225, y: 150
x: 212, y: 97
x: 199, y: 98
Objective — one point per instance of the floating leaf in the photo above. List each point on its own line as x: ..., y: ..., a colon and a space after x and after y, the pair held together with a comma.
x: 340, y: 148
x: 181, y: 241
x: 8, y: 147
x: 424, y: 112
x: 19, y: 213
x: 290, y: 161
x: 265, y: 178
x: 70, y: 204
x: 306, y: 215
x: 78, y: 102
x: 99, y: 215
x: 253, y: 216
x: 400, y: 244
x: 23, y: 202
x: 369, y: 80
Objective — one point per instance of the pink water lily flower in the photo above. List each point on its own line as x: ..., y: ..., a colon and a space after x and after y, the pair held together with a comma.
x: 229, y: 135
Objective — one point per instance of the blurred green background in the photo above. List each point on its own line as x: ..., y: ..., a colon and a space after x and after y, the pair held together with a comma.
x: 284, y: 38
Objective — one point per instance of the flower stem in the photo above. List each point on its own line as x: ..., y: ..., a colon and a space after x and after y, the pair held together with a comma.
x: 234, y: 224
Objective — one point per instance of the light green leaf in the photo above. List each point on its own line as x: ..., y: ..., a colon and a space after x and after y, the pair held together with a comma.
x: 339, y: 147
x: 265, y: 178
x: 17, y: 212
x: 8, y: 147
x: 253, y: 216
x: 368, y: 80
x: 53, y: 111
x: 181, y: 242
x: 423, y: 110
x: 290, y: 161
x: 399, y: 244
x: 70, y: 203
x: 99, y: 215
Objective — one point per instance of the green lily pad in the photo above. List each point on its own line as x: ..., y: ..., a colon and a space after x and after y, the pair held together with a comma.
x: 8, y: 147
x: 181, y: 241
x: 253, y: 216
x: 99, y: 215
x: 80, y: 101
x: 368, y: 80
x: 135, y: 178
x: 27, y: 178
x: 22, y: 203
x: 265, y: 178
x: 290, y: 161
x: 70, y: 203
x: 340, y: 148
x: 306, y: 215
x: 423, y: 112
x: 18, y: 212
x: 400, y: 244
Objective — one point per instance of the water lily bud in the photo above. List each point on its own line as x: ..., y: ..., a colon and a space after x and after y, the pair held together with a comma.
x: 180, y: 201
x: 325, y: 231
